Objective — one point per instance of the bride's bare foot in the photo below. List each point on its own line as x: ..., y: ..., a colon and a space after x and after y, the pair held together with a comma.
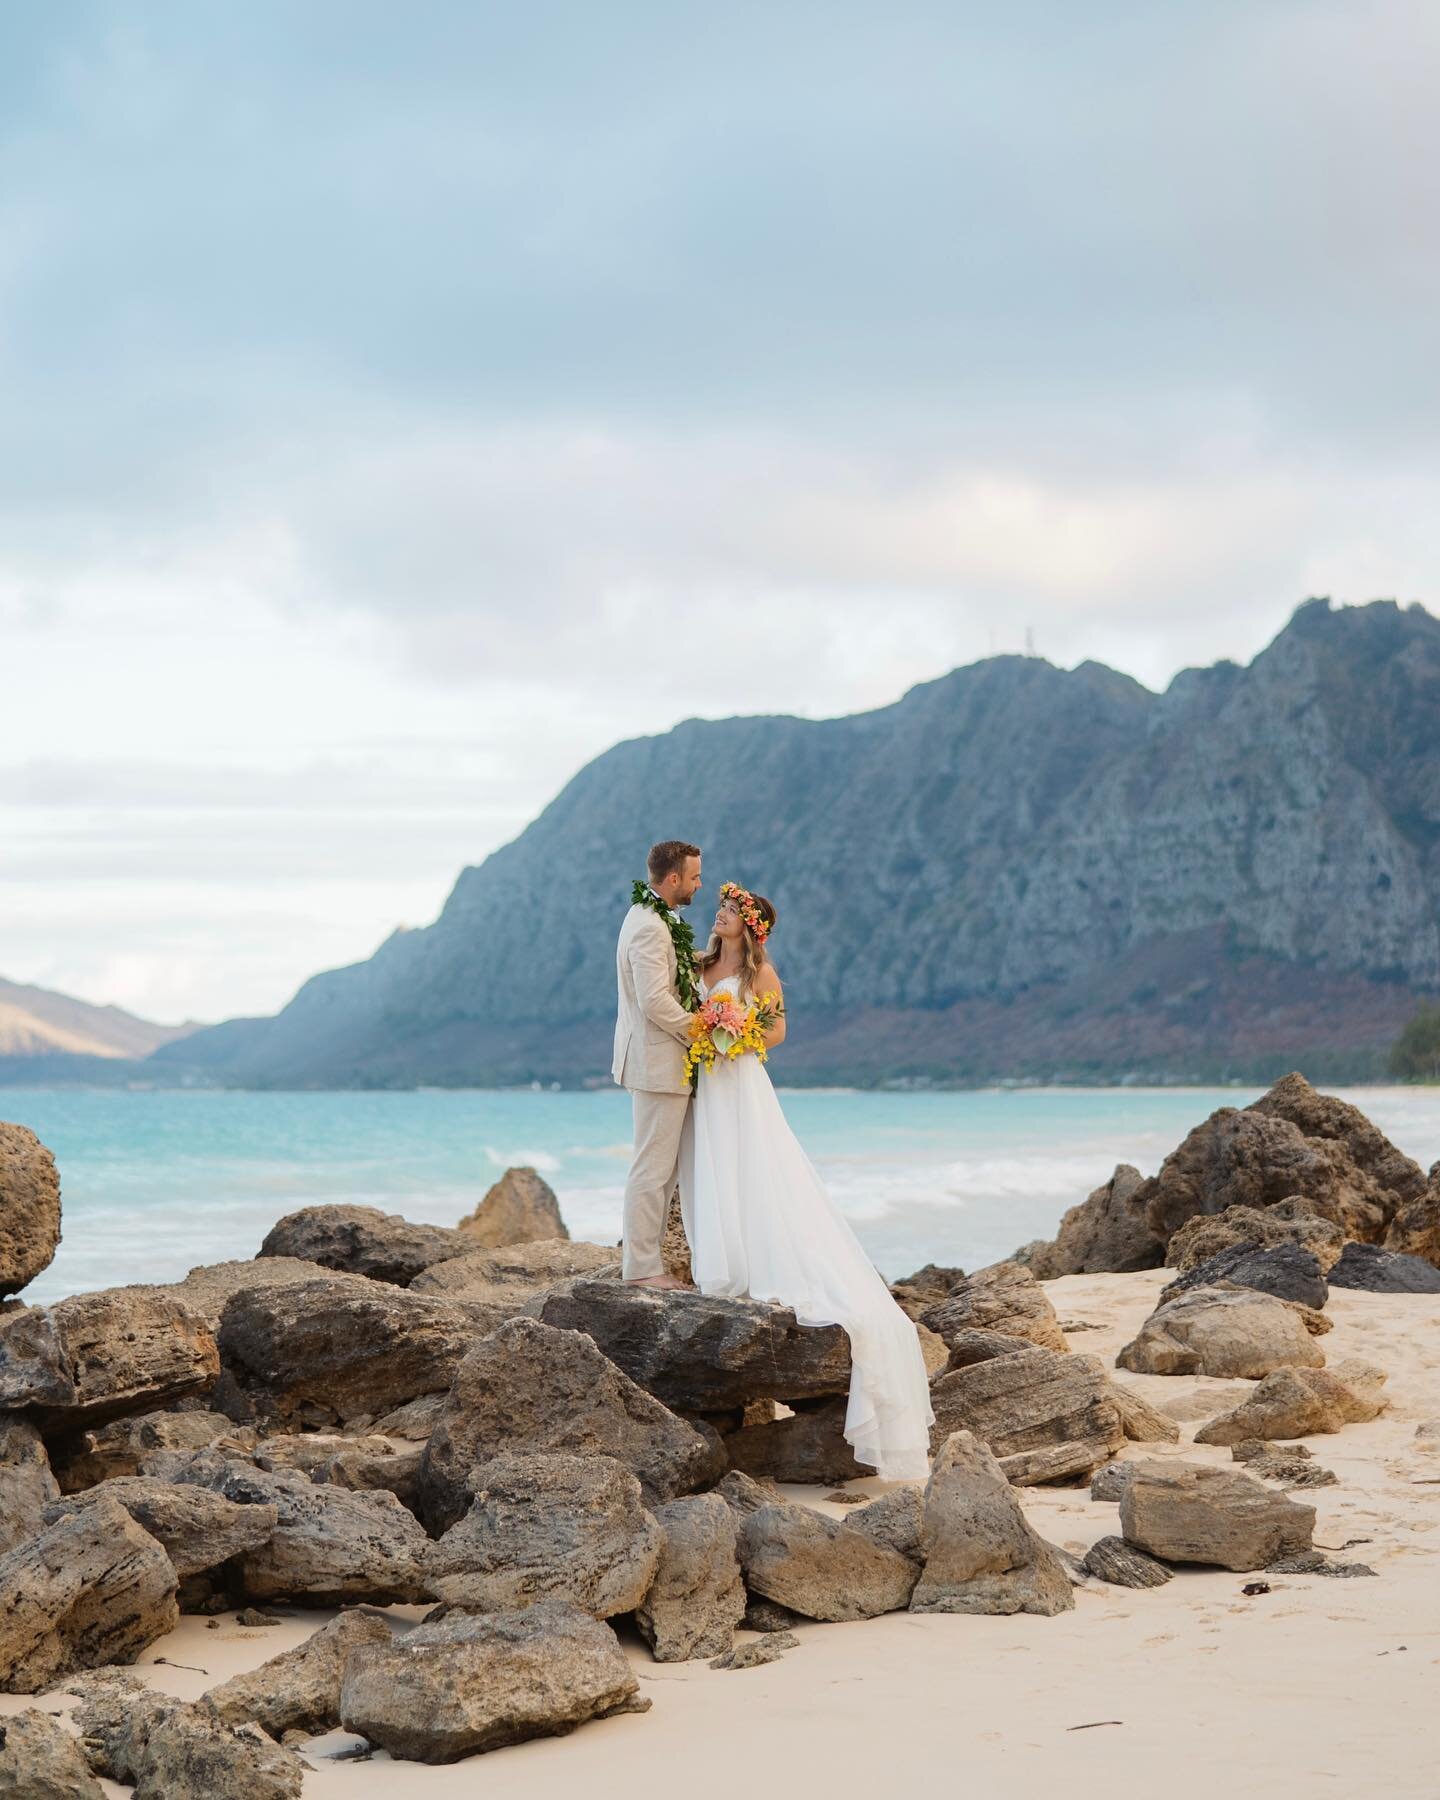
x: 656, y: 1281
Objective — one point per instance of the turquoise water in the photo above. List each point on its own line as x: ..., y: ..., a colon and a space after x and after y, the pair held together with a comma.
x: 155, y: 1182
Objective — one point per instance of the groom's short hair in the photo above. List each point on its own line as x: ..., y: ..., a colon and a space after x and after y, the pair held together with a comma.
x: 666, y: 857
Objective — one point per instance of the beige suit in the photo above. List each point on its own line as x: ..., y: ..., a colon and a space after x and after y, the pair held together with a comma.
x: 652, y: 1031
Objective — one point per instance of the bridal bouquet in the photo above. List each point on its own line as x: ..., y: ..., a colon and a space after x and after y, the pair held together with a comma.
x: 726, y: 1027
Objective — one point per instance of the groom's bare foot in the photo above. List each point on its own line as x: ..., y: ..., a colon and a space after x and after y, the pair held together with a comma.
x: 656, y: 1281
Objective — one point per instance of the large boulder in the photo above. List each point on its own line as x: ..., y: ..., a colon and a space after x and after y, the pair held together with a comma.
x: 520, y: 1208
x: 1292, y: 1220
x: 1292, y: 1141
x: 1291, y: 1403
x: 469, y: 1682
x: 1005, y: 1298
x: 195, y: 1528
x: 329, y: 1546
x: 1141, y: 1422
x: 90, y: 1589
x: 209, y: 1286
x: 807, y: 1447
x: 1375, y: 1271
x: 172, y: 1750
x: 1192, y: 1513
x: 1415, y: 1228
x: 819, y: 1567
x: 703, y: 1354
x: 980, y: 1553
x: 362, y: 1240
x: 532, y: 1387
x: 1224, y: 1332
x: 298, y: 1690
x: 120, y: 1447
x: 1122, y: 1565
x: 340, y: 1348
x: 1107, y: 1233
x: 697, y: 1597
x: 509, y: 1276
x: 1045, y: 1416
x: 39, y: 1760
x: 99, y: 1356
x: 27, y: 1484
x: 896, y: 1520
x: 29, y: 1208
x: 1284, y: 1271
x: 548, y: 1526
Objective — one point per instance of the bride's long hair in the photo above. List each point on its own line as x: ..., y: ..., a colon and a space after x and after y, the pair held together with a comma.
x: 752, y: 951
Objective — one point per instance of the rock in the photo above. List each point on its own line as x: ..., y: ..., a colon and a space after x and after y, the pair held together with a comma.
x: 195, y: 1528
x: 1224, y: 1332
x: 1292, y: 1220
x: 324, y: 1351
x: 27, y: 1485
x: 254, y: 1620
x: 1141, y: 1422
x: 99, y: 1356
x: 981, y: 1555
x: 697, y: 1597
x: 1312, y: 1562
x: 1284, y: 1271
x: 520, y: 1208
x: 86, y: 1590
x: 532, y: 1387
x: 172, y: 1750
x: 39, y: 1760
x: 1191, y: 1513
x: 972, y: 1345
x: 362, y: 1240
x: 414, y: 1421
x: 388, y: 1471
x: 1377, y: 1271
x: 1291, y: 1465
x: 509, y: 1276
x: 913, y: 1293
x: 298, y: 1690
x: 808, y: 1447
x: 309, y: 1451
x: 1301, y: 1403
x: 1105, y: 1234
x: 934, y: 1351
x: 1415, y: 1228
x: 1292, y: 1141
x: 820, y: 1567
x: 674, y: 1245
x: 29, y: 1208
x: 1427, y: 1435
x: 469, y: 1683
x: 896, y: 1521
x: 329, y: 1547
x: 1054, y: 1415
x: 744, y: 1495
x: 1112, y: 1559
x: 768, y: 1615
x: 1004, y: 1298
x: 210, y: 1286
x: 120, y: 1447
x: 702, y: 1354
x: 1110, y: 1481
x: 115, y: 1715
x: 548, y: 1525
x: 751, y: 1656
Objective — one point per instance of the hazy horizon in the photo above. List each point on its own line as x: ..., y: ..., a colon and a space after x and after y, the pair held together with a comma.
x: 402, y: 409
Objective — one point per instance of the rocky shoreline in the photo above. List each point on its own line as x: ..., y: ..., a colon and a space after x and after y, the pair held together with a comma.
x: 505, y: 1487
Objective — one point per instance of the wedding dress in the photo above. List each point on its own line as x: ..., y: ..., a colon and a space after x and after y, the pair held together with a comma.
x: 760, y: 1223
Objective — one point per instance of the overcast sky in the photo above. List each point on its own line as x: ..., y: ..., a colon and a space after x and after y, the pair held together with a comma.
x: 398, y: 405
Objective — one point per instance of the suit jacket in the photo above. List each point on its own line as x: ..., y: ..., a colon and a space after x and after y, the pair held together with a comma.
x: 652, y: 1030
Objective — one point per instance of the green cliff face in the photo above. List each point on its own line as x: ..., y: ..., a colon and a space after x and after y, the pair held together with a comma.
x: 1013, y: 871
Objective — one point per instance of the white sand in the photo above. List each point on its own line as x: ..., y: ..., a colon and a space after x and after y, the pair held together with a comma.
x: 1322, y: 1686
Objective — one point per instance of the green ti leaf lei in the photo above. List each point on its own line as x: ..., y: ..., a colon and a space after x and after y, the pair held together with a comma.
x: 681, y: 936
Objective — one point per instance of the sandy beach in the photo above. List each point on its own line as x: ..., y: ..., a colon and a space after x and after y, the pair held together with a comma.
x: 1187, y: 1689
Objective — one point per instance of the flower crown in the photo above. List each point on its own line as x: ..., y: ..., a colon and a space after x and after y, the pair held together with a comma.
x: 749, y: 911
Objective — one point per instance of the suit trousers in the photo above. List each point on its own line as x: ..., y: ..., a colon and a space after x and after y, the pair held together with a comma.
x: 654, y: 1172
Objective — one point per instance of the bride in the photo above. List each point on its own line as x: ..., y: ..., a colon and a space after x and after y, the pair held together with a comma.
x: 760, y: 1222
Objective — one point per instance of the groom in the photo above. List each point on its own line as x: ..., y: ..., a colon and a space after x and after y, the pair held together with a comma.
x: 652, y: 1034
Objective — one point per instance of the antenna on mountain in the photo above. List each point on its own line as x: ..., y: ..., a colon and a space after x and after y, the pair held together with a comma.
x: 1029, y: 640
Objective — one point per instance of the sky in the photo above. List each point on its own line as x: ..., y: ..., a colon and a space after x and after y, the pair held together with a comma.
x: 399, y: 405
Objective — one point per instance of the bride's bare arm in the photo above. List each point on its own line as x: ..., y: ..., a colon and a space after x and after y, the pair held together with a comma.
x: 768, y: 982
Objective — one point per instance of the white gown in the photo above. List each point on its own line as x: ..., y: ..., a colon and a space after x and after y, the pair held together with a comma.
x: 760, y: 1223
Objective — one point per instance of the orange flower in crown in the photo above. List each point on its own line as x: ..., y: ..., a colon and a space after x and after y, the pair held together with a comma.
x: 749, y: 911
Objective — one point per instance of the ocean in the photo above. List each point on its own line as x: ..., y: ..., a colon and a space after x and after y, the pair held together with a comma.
x: 155, y: 1182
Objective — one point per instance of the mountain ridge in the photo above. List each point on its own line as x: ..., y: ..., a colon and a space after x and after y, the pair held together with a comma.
x: 955, y: 873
